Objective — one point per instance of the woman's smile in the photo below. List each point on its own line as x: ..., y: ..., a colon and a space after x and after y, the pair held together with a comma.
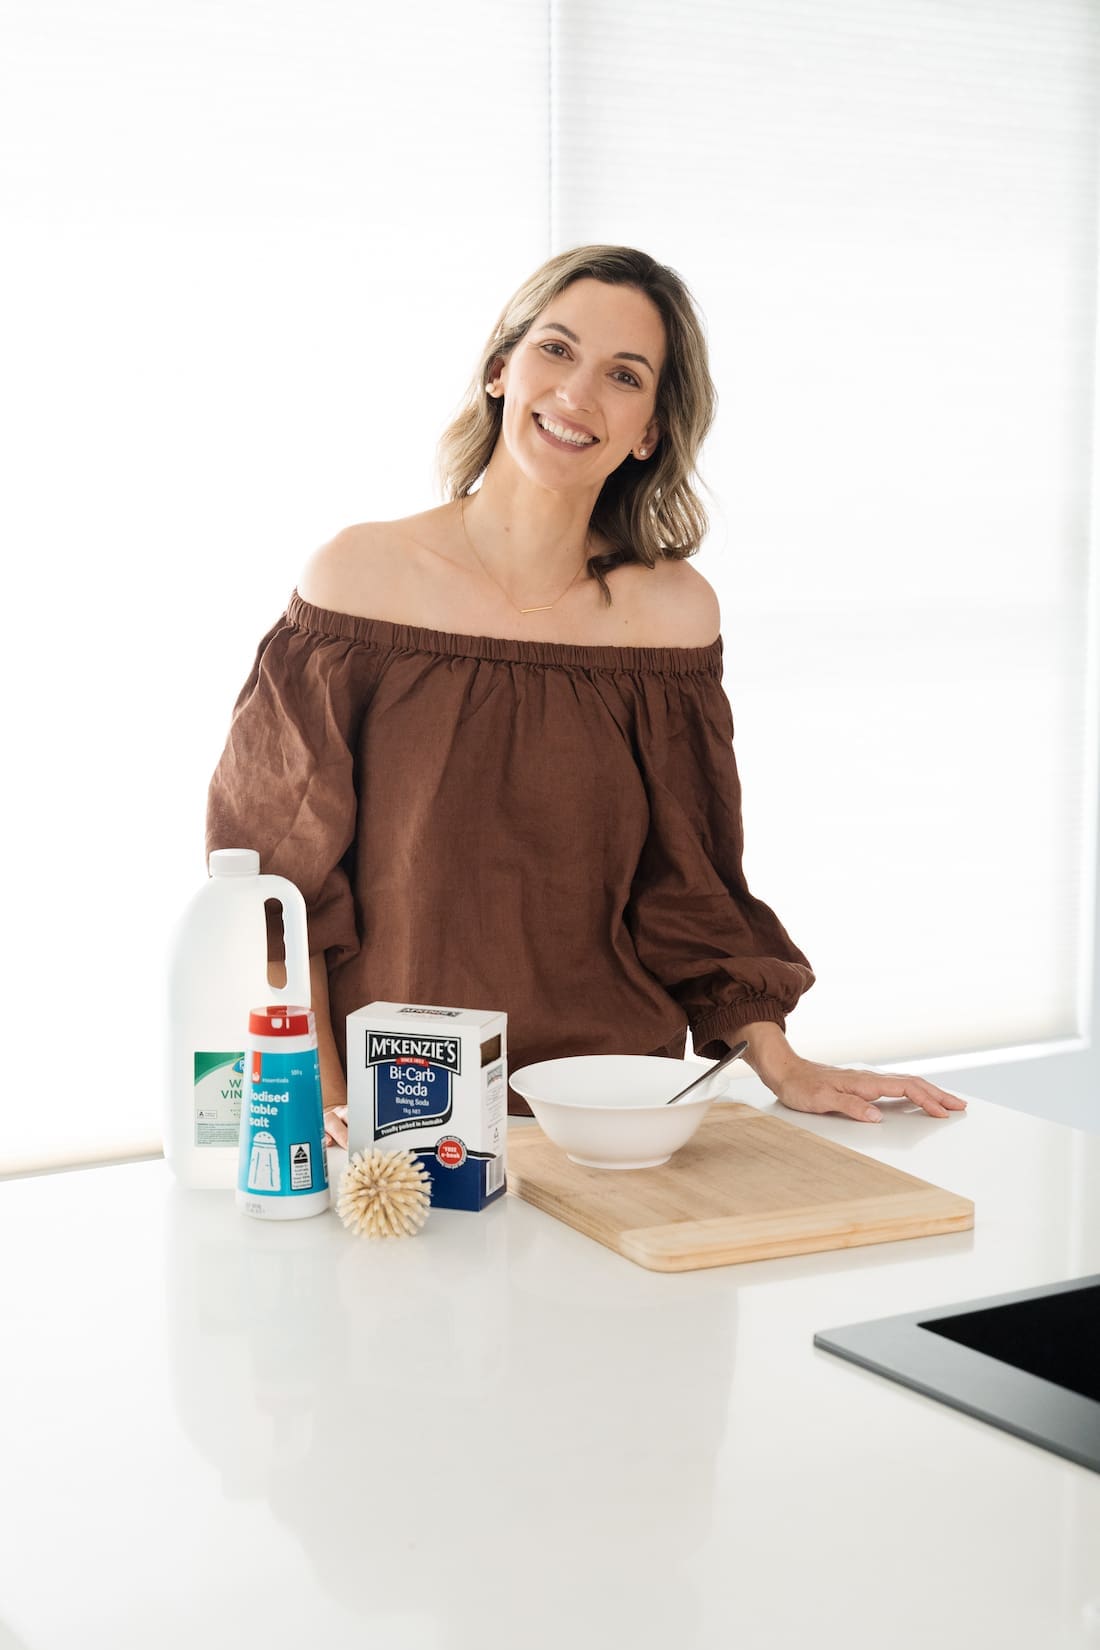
x: 573, y: 446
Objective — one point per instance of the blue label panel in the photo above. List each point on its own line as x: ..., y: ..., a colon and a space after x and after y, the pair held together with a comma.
x: 410, y: 1094
x: 282, y: 1126
x: 463, y: 1187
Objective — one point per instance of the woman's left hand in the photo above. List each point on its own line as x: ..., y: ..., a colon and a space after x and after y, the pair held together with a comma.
x: 808, y: 1086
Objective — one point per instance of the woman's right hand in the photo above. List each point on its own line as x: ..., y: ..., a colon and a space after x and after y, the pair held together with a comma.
x: 336, y: 1126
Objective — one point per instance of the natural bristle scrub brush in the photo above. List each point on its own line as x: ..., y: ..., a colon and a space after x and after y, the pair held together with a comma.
x: 384, y: 1194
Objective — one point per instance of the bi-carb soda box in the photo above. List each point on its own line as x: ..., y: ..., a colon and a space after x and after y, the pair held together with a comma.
x: 433, y: 1081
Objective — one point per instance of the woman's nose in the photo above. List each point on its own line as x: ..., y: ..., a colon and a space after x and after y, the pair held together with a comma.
x: 577, y: 389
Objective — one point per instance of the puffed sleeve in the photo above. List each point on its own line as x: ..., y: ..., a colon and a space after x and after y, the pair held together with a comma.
x: 717, y: 949
x: 285, y: 782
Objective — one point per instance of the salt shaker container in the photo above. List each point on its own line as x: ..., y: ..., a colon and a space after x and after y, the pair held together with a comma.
x: 283, y: 1164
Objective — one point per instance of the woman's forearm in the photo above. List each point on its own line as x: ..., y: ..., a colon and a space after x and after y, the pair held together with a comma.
x: 769, y: 1053
x: 334, y: 1088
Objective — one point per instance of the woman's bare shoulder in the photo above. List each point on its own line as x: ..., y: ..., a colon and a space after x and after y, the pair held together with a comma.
x: 682, y: 603
x: 359, y: 568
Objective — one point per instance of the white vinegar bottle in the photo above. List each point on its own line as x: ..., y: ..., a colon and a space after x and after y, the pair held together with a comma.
x: 217, y: 974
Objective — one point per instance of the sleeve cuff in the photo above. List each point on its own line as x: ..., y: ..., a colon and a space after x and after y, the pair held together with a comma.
x: 713, y: 1036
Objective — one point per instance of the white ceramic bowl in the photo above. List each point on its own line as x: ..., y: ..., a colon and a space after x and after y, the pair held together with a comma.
x: 609, y: 1111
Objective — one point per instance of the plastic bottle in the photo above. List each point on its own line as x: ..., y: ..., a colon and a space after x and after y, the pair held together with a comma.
x: 283, y: 1165
x: 217, y: 970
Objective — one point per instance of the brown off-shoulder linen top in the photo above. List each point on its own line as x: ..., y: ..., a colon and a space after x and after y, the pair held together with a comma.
x: 540, y: 827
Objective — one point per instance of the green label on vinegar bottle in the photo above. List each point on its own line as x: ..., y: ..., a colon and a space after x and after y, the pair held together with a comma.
x: 219, y: 1084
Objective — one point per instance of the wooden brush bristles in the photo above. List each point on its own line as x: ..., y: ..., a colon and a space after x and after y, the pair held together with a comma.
x: 384, y: 1194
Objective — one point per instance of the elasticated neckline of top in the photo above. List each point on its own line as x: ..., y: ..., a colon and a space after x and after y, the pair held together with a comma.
x: 410, y: 638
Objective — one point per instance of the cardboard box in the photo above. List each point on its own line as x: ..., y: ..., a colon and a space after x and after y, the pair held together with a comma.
x: 433, y: 1081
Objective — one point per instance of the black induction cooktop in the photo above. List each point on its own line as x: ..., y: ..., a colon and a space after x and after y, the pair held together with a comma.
x: 1028, y: 1362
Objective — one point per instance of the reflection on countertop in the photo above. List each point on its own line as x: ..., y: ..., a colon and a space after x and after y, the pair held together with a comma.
x: 397, y: 1417
x: 216, y: 1429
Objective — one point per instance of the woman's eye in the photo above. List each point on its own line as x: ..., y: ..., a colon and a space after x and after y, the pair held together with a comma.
x: 625, y: 374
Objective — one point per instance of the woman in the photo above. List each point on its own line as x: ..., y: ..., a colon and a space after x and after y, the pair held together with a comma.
x: 490, y: 744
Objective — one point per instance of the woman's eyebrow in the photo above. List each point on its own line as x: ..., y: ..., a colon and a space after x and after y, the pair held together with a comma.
x: 620, y: 355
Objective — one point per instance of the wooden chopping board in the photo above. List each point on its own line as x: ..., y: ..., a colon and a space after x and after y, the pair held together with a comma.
x: 747, y: 1186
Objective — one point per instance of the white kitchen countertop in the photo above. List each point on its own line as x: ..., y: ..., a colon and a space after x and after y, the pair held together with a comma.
x: 217, y: 1432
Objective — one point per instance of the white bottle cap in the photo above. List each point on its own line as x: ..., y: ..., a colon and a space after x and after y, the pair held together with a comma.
x: 234, y: 862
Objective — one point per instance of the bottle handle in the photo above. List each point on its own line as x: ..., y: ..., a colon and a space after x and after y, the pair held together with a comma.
x: 295, y: 938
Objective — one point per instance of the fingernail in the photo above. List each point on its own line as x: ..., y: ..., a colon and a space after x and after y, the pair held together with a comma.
x: 872, y: 1114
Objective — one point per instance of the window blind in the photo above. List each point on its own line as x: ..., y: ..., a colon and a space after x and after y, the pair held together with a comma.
x: 888, y: 216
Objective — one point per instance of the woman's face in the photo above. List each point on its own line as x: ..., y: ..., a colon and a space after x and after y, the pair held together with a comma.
x: 578, y: 366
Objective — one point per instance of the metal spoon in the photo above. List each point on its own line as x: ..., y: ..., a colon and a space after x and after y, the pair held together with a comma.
x: 698, y: 1082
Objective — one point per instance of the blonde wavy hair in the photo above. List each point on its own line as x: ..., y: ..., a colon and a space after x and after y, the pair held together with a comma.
x: 645, y: 510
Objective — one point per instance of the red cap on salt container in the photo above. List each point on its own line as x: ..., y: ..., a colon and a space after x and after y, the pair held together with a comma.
x: 282, y: 1020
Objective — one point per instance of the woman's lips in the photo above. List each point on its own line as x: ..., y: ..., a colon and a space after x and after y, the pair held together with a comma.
x: 562, y: 446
